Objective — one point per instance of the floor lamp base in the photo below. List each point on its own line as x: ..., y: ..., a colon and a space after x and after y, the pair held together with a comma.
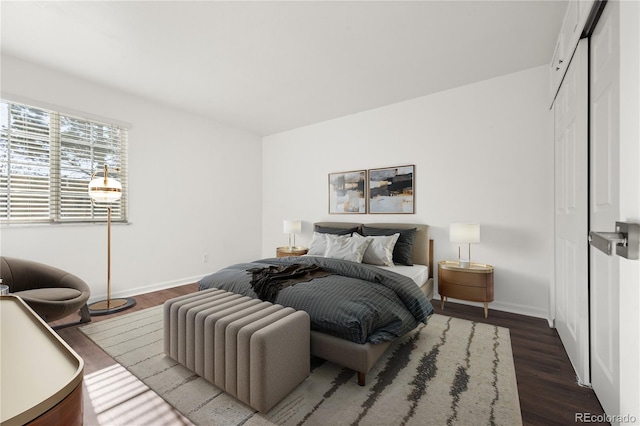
x: 115, y: 305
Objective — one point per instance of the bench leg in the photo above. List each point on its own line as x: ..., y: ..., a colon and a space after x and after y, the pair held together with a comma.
x: 362, y: 377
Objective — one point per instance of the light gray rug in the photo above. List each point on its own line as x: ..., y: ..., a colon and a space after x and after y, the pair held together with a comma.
x: 449, y: 372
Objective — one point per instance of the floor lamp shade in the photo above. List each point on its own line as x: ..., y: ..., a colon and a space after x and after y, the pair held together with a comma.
x: 105, y: 191
x: 464, y: 233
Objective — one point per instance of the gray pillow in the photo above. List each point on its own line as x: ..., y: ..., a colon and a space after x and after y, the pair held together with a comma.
x: 403, y: 250
x: 335, y: 231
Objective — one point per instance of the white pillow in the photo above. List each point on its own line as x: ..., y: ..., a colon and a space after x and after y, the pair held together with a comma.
x: 380, y: 251
x: 318, y: 244
x: 349, y: 248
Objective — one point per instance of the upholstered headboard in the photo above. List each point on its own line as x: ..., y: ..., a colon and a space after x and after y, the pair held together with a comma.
x: 422, y: 246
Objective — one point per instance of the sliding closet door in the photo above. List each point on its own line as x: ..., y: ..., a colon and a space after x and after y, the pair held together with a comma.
x: 571, y: 205
x: 605, y: 207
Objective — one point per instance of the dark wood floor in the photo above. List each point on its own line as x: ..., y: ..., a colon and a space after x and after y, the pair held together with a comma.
x: 549, y: 394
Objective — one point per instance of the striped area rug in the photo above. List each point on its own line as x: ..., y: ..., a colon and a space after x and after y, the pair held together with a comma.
x: 449, y: 372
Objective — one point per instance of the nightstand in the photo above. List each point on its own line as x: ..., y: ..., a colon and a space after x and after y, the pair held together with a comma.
x: 291, y: 251
x: 474, y: 283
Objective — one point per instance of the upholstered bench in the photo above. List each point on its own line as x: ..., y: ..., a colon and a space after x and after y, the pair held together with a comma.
x: 254, y: 350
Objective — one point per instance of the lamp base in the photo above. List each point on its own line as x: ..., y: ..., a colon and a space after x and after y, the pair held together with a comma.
x: 114, y: 305
x: 464, y: 263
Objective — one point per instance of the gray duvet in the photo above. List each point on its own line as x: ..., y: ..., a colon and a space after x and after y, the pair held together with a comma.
x: 358, y: 302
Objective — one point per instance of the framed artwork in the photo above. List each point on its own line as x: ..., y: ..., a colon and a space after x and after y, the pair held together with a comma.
x: 391, y: 190
x: 347, y: 192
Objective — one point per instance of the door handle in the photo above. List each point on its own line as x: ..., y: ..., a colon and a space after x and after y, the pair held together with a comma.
x: 626, y: 240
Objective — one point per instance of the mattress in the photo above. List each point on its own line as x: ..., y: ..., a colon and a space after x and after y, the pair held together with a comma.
x: 418, y: 273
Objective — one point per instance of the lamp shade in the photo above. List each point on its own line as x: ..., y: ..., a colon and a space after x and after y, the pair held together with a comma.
x: 105, y: 190
x: 291, y: 226
x: 464, y: 233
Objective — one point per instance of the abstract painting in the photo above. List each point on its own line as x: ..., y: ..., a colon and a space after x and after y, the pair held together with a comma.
x: 347, y: 192
x: 391, y: 190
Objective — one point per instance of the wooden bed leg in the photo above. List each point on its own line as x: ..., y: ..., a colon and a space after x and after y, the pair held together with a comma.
x: 362, y: 377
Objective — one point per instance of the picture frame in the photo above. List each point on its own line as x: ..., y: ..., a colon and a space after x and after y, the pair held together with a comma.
x: 347, y: 192
x: 391, y: 190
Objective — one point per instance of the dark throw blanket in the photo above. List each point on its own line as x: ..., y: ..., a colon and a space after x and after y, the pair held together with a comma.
x: 266, y: 282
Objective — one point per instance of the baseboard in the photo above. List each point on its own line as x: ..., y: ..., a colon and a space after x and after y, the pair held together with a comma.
x: 512, y: 308
x: 146, y: 289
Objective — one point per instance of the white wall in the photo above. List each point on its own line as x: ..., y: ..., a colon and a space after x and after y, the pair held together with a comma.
x: 194, y: 189
x: 483, y: 153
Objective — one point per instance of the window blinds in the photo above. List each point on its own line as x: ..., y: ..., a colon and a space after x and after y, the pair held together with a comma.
x: 46, y: 162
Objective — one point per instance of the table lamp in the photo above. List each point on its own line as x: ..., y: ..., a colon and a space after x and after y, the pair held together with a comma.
x: 292, y: 227
x: 464, y: 233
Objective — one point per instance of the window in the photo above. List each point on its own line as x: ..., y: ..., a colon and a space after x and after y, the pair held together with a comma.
x: 46, y: 162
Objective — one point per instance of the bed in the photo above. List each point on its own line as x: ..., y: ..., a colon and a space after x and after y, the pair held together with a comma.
x: 393, y: 303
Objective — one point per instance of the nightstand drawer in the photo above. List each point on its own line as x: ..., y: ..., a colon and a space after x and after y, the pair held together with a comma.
x: 473, y: 294
x: 464, y: 278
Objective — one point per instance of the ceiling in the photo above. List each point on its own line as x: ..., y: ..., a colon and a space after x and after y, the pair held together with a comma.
x: 269, y: 67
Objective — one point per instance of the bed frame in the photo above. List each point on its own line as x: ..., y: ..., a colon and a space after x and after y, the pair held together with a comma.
x: 362, y: 357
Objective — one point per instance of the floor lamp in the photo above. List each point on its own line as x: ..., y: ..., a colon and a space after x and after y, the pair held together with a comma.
x: 105, y: 190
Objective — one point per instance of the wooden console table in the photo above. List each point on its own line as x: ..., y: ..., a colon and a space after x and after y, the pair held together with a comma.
x: 41, y: 375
